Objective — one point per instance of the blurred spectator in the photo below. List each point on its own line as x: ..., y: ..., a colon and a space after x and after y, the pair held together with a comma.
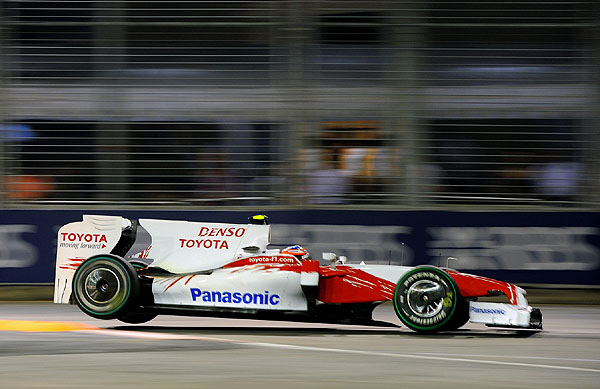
x: 329, y: 184
x: 28, y: 187
x: 557, y: 180
x: 367, y: 166
x: 513, y: 175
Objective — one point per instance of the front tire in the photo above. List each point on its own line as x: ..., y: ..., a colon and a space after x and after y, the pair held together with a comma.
x: 104, y: 286
x: 460, y: 317
x: 425, y: 299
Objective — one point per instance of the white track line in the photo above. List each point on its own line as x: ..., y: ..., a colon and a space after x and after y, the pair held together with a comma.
x: 166, y: 336
x: 510, y: 356
x: 416, y: 356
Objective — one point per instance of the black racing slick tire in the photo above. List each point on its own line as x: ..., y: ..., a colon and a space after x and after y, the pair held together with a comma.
x: 460, y: 316
x: 426, y: 300
x: 136, y: 318
x: 104, y: 286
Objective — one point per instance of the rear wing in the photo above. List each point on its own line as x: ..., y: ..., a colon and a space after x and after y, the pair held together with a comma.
x: 78, y: 241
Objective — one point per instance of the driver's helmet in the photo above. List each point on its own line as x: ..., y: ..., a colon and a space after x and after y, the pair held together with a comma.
x: 297, y: 251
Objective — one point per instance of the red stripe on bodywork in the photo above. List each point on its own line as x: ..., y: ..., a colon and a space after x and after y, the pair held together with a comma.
x: 189, y: 279
x: 174, y: 282
x: 348, y: 285
x: 72, y: 264
x: 310, y: 266
x: 471, y: 285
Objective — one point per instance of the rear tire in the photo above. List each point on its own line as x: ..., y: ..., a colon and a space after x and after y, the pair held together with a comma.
x: 136, y: 318
x: 104, y: 286
x: 426, y: 299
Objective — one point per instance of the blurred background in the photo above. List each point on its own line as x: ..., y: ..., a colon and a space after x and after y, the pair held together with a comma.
x: 351, y: 104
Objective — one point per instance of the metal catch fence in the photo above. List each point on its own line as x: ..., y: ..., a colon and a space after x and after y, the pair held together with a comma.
x: 353, y: 104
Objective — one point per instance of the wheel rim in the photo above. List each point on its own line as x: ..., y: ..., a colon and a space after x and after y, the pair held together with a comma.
x: 102, y: 285
x: 426, y: 298
x: 103, y: 290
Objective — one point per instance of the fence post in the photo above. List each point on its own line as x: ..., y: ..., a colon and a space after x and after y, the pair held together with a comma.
x: 112, y: 137
x: 3, y: 101
x: 407, y: 38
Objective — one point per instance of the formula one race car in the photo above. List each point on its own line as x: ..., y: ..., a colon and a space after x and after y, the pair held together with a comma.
x: 113, y: 267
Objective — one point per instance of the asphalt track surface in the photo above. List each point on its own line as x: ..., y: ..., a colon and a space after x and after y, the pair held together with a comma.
x: 43, y: 345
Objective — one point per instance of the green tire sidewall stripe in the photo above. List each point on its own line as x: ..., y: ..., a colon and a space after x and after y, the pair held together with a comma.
x: 118, y: 263
x: 443, y: 322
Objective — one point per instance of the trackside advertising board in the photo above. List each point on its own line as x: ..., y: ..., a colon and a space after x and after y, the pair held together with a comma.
x: 517, y: 247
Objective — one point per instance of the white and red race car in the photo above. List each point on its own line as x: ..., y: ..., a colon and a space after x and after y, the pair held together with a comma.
x: 112, y: 267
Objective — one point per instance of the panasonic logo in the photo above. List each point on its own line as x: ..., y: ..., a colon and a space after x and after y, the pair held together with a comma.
x: 234, y: 297
x: 490, y: 311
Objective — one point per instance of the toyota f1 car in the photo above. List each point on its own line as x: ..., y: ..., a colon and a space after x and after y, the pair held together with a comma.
x: 113, y: 267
